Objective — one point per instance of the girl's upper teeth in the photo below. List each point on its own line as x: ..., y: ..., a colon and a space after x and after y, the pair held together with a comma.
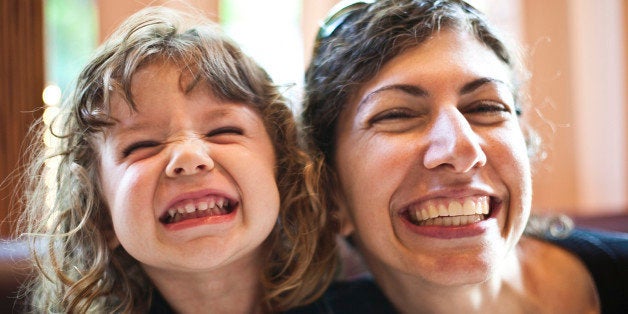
x: 202, y: 206
x: 198, y: 205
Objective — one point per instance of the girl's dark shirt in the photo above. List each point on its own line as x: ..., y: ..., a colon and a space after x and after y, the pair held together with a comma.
x: 605, y: 255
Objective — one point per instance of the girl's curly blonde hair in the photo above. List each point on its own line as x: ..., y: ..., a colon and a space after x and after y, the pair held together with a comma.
x: 79, y: 269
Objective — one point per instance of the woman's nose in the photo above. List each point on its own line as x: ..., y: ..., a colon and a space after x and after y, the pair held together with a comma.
x: 189, y: 157
x: 453, y: 144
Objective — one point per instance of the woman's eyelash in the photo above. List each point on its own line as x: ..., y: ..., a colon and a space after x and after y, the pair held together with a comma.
x: 392, y: 114
x: 489, y: 106
x: 143, y: 144
x: 226, y: 130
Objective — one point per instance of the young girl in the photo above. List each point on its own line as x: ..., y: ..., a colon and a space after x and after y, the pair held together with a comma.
x: 179, y: 183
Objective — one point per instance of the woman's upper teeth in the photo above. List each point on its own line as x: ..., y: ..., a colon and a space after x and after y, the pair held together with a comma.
x: 475, y: 205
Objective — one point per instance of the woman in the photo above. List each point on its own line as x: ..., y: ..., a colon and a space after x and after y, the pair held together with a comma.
x: 414, y: 107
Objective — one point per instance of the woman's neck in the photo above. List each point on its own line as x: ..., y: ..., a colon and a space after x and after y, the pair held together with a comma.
x: 421, y: 296
x: 535, y: 278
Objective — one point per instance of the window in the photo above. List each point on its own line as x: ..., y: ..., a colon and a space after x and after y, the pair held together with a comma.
x: 270, y: 32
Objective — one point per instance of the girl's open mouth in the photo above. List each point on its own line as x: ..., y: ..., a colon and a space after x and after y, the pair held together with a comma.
x: 198, y: 208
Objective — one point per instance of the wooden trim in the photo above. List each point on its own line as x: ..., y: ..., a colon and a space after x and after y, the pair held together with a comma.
x: 21, y: 85
x: 625, y: 58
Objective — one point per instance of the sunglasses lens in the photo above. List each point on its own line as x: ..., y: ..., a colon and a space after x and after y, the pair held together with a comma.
x: 337, y: 16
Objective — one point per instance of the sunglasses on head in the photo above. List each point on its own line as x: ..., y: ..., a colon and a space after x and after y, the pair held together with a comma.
x: 337, y: 15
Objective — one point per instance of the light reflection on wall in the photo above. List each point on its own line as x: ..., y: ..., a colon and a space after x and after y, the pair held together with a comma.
x: 270, y: 32
x: 51, y: 97
x: 70, y: 37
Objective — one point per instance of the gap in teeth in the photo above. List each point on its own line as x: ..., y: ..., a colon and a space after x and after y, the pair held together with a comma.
x: 212, y: 205
x: 468, y: 208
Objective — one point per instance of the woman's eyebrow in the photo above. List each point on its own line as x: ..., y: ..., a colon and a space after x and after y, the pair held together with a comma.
x: 477, y: 83
x: 418, y: 91
x: 413, y: 90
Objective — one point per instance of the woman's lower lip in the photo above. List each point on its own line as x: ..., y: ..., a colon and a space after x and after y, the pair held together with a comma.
x: 208, y: 220
x: 453, y: 232
x: 449, y: 232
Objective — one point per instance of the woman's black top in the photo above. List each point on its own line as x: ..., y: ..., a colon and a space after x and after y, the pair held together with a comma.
x: 605, y: 255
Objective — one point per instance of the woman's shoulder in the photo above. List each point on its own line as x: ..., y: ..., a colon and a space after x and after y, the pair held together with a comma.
x: 356, y: 296
x: 605, y: 255
x: 596, y: 248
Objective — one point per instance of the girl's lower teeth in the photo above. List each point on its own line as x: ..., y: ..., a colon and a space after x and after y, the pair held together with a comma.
x: 198, y: 214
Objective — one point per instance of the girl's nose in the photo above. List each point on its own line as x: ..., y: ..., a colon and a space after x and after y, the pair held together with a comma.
x: 453, y: 144
x: 189, y: 157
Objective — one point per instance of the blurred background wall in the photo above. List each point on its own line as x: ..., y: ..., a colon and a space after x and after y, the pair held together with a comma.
x: 576, y: 51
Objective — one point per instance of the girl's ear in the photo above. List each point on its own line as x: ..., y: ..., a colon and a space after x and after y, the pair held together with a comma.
x: 112, y: 240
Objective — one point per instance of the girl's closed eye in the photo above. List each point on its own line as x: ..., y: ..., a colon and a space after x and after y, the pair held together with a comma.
x: 137, y: 146
x: 225, y: 135
x: 227, y: 130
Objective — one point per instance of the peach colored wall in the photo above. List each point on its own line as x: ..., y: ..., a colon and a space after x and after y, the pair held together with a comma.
x: 577, y: 59
x: 597, y: 57
x: 313, y: 12
x: 545, y: 27
x: 112, y: 12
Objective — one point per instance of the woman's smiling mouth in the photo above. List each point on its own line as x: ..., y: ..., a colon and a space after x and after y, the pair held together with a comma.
x: 450, y: 212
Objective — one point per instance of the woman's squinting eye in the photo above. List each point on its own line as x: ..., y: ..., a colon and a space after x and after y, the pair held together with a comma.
x: 138, y: 146
x: 488, y: 111
x: 393, y: 114
x: 489, y: 106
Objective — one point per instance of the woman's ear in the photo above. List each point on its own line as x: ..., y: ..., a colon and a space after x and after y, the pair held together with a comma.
x: 344, y: 218
x: 346, y: 225
x: 534, y: 143
x: 337, y: 200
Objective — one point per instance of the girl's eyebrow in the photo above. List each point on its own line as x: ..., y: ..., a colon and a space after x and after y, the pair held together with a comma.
x: 121, y: 130
x: 136, y: 126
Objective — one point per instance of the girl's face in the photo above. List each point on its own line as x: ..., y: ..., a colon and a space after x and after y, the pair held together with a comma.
x: 189, y: 180
x: 433, y: 166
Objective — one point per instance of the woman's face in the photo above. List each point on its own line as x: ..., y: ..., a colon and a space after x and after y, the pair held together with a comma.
x: 432, y: 164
